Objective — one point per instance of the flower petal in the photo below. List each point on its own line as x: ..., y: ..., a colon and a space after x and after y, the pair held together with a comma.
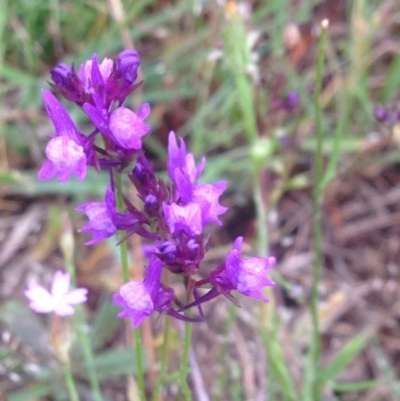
x: 63, y: 309
x: 60, y: 285
x: 77, y: 296
x: 41, y: 299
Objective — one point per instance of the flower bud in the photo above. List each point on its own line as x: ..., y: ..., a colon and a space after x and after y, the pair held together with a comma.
x: 380, y: 113
x: 262, y: 150
x: 60, y: 75
x: 128, y: 64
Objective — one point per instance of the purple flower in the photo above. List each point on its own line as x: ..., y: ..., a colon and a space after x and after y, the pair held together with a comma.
x: 176, y: 155
x: 380, y: 113
x: 127, y: 128
x: 66, y: 150
x: 290, y: 101
x: 100, y: 215
x: 66, y: 157
x: 179, y: 160
x: 92, y: 74
x: 186, y: 218
x: 61, y: 75
x: 140, y: 299
x: 184, y: 173
x: 128, y: 62
x: 112, y: 80
x: 207, y: 197
x: 248, y: 276
x: 59, y: 300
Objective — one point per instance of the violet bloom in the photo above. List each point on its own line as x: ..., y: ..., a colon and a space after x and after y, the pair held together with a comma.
x: 100, y: 215
x: 127, y: 128
x: 290, y: 102
x: 381, y: 114
x: 65, y: 150
x: 185, y: 174
x: 140, y: 299
x: 248, y: 276
x: 128, y: 62
x: 179, y: 160
x: 93, y: 74
x: 112, y: 80
x: 187, y: 218
x: 61, y: 75
x: 59, y: 300
x: 207, y: 197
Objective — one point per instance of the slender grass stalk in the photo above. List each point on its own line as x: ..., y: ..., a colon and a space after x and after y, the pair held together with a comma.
x: 69, y: 381
x: 67, y: 246
x: 123, y: 246
x: 163, y: 360
x: 261, y: 214
x: 164, y: 349
x: 315, y: 348
x: 125, y: 274
x: 88, y: 355
x: 185, y: 362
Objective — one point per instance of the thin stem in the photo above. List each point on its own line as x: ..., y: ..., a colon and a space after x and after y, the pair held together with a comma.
x: 164, y: 359
x: 123, y: 246
x: 88, y: 355
x: 139, y: 363
x: 69, y: 381
x: 261, y: 214
x: 164, y: 349
x: 315, y: 348
x: 185, y: 361
x: 84, y: 337
x: 125, y: 274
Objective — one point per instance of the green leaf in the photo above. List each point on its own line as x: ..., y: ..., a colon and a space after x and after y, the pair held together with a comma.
x: 356, y: 386
x: 115, y: 363
x: 277, y: 365
x: 24, y: 323
x: 106, y: 324
x: 36, y: 391
x: 28, y: 184
x: 344, y: 357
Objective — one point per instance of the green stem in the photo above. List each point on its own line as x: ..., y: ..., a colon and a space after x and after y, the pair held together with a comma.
x: 164, y: 350
x: 84, y: 340
x: 69, y: 381
x: 88, y: 355
x: 123, y: 246
x: 164, y: 360
x: 261, y: 215
x: 185, y: 361
x: 125, y: 274
x: 316, y: 203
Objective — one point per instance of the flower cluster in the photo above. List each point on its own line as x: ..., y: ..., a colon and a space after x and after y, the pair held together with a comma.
x: 174, y: 213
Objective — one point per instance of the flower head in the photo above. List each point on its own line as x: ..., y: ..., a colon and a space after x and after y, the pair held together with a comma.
x: 178, y: 160
x: 59, y: 300
x: 140, y: 299
x: 127, y: 128
x: 128, y: 62
x: 100, y: 215
x: 66, y: 150
x: 247, y: 276
x: 112, y: 80
x: 207, y: 197
x: 187, y: 218
x: 93, y: 74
